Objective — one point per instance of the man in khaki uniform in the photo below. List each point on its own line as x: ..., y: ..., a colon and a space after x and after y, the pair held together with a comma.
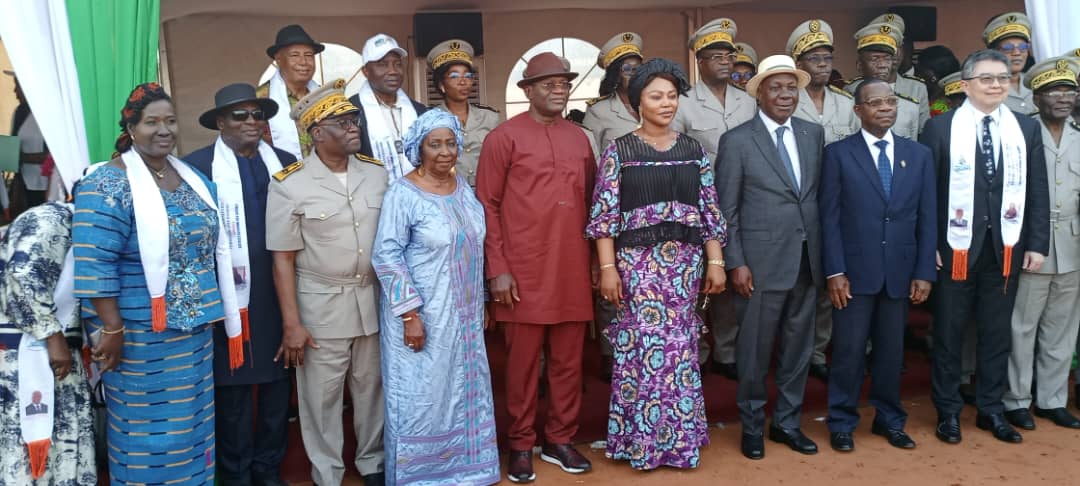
x: 609, y: 116
x: 903, y: 79
x: 1046, y: 315
x: 713, y: 106
x: 322, y: 214
x: 877, y: 45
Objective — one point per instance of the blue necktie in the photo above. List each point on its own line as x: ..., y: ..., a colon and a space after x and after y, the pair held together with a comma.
x: 884, y: 167
x: 987, y: 148
x: 785, y: 157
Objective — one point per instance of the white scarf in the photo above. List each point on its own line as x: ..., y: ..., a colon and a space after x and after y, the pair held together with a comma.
x: 962, y: 170
x: 388, y: 145
x: 35, y: 375
x: 233, y: 216
x: 282, y: 127
x: 152, y: 224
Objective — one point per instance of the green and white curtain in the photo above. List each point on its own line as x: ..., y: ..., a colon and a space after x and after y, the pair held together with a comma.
x: 77, y: 60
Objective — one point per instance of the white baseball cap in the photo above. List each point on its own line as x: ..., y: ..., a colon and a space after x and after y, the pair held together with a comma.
x: 379, y: 46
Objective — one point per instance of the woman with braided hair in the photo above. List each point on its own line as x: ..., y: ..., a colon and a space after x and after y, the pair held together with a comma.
x: 148, y: 267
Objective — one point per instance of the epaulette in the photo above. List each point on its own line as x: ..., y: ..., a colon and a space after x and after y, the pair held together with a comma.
x: 852, y: 81
x: 484, y: 107
x: 583, y: 127
x: 1075, y: 125
x: 599, y: 99
x: 740, y: 88
x: 906, y: 97
x: 288, y: 170
x: 839, y: 91
x: 364, y: 158
x: 913, y: 78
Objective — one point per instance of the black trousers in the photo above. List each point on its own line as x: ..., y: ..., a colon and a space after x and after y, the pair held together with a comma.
x: 244, y: 453
x: 984, y: 296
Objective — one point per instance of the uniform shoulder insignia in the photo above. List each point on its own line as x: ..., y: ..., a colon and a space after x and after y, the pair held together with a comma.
x: 484, y: 107
x: 370, y: 160
x: 841, y: 92
x: 740, y: 88
x: 906, y: 97
x: 288, y: 170
x: 1075, y: 125
x: 913, y: 77
x: 599, y: 99
x: 854, y: 80
x: 583, y: 127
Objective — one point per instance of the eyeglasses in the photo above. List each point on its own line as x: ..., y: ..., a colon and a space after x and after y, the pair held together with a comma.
x: 552, y: 86
x: 819, y: 59
x: 720, y: 57
x: 1055, y: 96
x: 344, y: 123
x: 989, y: 79
x: 1011, y: 46
x: 242, y: 115
x: 456, y: 76
x: 743, y: 76
x: 881, y: 101
x: 628, y: 69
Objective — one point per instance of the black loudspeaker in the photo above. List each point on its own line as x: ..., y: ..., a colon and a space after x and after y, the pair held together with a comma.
x: 920, y: 23
x: 429, y: 29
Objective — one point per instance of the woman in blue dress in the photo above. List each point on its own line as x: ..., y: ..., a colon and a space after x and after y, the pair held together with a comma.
x: 159, y: 387
x: 428, y: 254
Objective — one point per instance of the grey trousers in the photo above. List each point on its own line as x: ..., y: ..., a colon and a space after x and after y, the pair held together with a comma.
x: 1046, y: 313
x: 823, y: 315
x: 320, y: 384
x: 724, y: 326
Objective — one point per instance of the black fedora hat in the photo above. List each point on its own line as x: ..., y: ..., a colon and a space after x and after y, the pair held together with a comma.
x: 234, y: 94
x: 293, y: 34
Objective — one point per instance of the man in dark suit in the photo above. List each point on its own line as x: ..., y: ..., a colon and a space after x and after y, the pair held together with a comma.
x: 767, y: 180
x: 246, y: 456
x: 981, y: 283
x: 36, y: 407
x: 878, y: 230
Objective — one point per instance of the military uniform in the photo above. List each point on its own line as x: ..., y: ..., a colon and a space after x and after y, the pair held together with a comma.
x: 331, y: 228
x: 1012, y: 24
x: 607, y: 117
x: 1047, y: 309
x: 913, y: 110
x: 837, y: 113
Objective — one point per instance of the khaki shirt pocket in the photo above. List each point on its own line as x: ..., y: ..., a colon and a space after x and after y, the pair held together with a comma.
x: 319, y: 223
x: 374, y: 201
x: 316, y: 302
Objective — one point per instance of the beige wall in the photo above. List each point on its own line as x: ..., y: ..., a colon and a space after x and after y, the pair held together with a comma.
x: 7, y: 93
x: 206, y: 52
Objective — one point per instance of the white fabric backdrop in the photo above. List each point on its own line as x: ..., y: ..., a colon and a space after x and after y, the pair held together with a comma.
x: 1054, y: 28
x: 38, y: 41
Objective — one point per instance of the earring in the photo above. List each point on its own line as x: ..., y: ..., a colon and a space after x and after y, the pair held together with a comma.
x: 453, y: 171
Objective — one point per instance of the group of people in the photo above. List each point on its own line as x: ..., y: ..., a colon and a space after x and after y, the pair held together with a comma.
x: 363, y: 245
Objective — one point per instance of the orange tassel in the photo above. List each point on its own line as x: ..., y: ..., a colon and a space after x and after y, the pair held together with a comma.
x: 236, y: 352
x: 1006, y: 263
x: 244, y: 324
x: 959, y: 265
x: 157, y: 313
x: 39, y: 455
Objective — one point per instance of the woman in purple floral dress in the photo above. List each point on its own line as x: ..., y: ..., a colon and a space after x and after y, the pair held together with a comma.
x: 657, y: 226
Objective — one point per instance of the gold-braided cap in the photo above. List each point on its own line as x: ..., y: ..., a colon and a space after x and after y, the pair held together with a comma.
x: 1055, y: 71
x: 1012, y: 24
x: 808, y: 36
x: 952, y: 84
x: 620, y: 45
x: 877, y: 35
x: 324, y: 102
x: 722, y: 30
x: 745, y: 54
x: 453, y: 50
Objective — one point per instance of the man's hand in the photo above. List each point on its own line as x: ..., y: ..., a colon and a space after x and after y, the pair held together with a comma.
x: 839, y: 291
x: 293, y: 342
x: 1033, y: 261
x: 60, y: 359
x: 920, y: 290
x: 742, y: 281
x: 504, y: 290
x: 937, y: 255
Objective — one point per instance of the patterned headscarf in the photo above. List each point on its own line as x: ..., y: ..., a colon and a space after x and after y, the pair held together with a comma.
x: 423, y: 125
x: 140, y: 97
x: 648, y: 71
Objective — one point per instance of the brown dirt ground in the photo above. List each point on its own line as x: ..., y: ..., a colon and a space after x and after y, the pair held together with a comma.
x: 1048, y: 455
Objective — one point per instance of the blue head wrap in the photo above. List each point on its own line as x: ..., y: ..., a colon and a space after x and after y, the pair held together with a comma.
x: 430, y: 120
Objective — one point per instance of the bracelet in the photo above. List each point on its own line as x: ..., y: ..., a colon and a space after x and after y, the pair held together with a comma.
x: 406, y: 319
x: 607, y: 265
x: 112, y: 333
x: 717, y: 262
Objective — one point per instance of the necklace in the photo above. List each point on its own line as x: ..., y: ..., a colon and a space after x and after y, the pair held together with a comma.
x: 159, y: 173
x: 654, y: 144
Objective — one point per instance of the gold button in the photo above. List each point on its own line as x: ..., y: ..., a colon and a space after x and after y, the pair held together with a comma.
x: 358, y: 275
x: 468, y: 150
x: 1059, y: 183
x: 1059, y: 205
x: 356, y: 224
x: 1055, y: 226
x: 360, y: 251
x: 322, y: 216
x: 350, y: 198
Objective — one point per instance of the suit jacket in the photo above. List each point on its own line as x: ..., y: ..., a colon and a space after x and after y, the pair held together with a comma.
x: 1035, y: 235
x: 33, y: 409
x: 264, y: 315
x: 767, y: 219
x: 365, y: 147
x: 877, y: 242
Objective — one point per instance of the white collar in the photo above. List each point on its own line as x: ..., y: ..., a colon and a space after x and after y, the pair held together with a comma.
x: 978, y: 114
x: 871, y: 139
x: 771, y: 124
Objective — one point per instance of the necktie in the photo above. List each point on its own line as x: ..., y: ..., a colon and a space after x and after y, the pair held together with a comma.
x: 884, y: 167
x: 987, y: 148
x: 785, y: 157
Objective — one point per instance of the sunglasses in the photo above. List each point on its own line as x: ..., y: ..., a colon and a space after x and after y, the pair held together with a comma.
x: 344, y: 123
x: 454, y: 76
x: 1011, y: 46
x: 882, y: 101
x: 628, y: 69
x: 740, y: 77
x: 242, y: 115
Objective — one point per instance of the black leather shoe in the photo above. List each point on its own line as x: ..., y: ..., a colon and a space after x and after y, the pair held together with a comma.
x: 820, y: 371
x: 999, y: 426
x: 948, y: 429
x: 794, y: 439
x: 519, y: 468
x: 841, y: 441
x: 1060, y: 417
x: 727, y: 370
x: 896, y: 437
x: 1020, y: 418
x: 753, y: 446
x: 376, y: 479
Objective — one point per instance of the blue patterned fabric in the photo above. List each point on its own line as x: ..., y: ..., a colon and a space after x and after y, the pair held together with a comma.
x: 884, y: 167
x: 160, y: 400
x: 440, y: 422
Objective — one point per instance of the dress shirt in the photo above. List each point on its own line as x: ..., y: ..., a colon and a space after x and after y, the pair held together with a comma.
x: 874, y: 151
x: 789, y: 142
